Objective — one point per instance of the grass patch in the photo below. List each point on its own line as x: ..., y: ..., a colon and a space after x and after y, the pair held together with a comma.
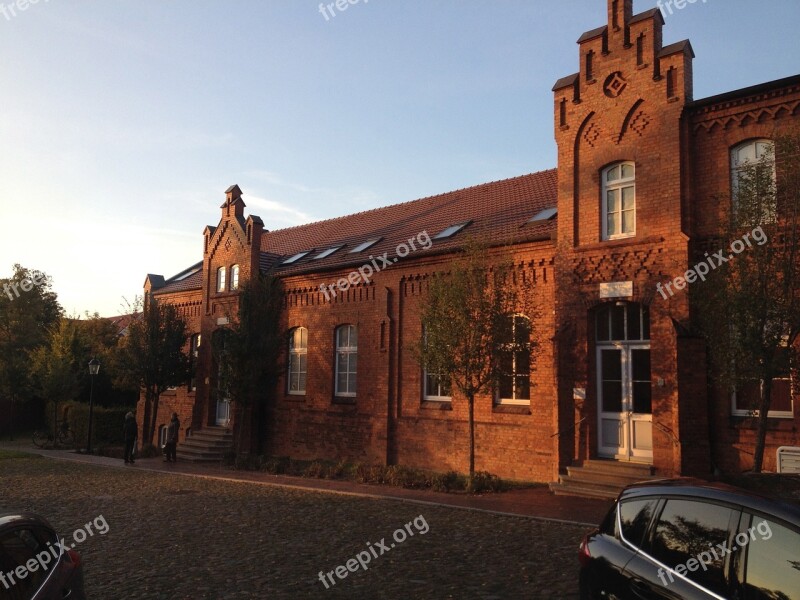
x: 11, y: 454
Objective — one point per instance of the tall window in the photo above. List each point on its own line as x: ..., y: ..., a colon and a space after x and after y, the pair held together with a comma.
x: 619, y: 201
x: 346, y: 360
x: 234, y: 277
x: 753, y: 173
x: 194, y: 356
x: 221, y: 279
x: 514, y: 361
x: 437, y: 385
x: 298, y: 361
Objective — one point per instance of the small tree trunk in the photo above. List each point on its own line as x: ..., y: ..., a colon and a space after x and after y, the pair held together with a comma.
x: 156, y: 397
x: 471, y: 403
x: 761, y: 432
x: 146, y: 416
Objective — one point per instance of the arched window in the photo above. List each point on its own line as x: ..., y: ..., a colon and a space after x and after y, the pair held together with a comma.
x: 753, y: 177
x: 234, y: 277
x: 438, y: 387
x: 514, y: 361
x: 221, y: 279
x: 346, y: 360
x: 298, y: 361
x: 619, y: 201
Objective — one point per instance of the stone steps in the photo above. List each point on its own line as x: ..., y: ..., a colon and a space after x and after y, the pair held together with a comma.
x: 206, y: 445
x: 600, y: 478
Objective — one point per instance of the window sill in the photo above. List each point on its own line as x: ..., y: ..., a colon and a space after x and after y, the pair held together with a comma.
x: 512, y: 409
x: 436, y: 405
x: 346, y: 400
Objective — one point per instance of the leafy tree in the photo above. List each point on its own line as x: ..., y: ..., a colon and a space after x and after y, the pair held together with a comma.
x: 749, y: 308
x: 467, y: 320
x: 152, y: 356
x: 28, y: 308
x: 58, y: 366
x: 248, y: 351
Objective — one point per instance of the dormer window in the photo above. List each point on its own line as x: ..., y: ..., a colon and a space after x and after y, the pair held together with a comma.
x: 619, y: 201
x: 221, y: 279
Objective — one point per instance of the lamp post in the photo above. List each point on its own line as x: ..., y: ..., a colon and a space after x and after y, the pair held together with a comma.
x: 94, y: 369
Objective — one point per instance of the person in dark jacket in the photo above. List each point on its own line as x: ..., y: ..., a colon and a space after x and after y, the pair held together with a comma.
x: 172, y: 438
x: 129, y: 434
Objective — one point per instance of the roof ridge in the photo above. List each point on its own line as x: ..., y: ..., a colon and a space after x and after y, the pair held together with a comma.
x: 379, y: 208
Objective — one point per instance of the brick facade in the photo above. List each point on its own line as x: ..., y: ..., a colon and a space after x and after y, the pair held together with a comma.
x: 631, y: 101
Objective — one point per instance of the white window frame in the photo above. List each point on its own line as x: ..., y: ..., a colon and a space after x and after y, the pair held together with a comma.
x: 221, y: 272
x: 617, y: 186
x: 437, y: 396
x: 772, y: 414
x: 234, y: 278
x: 298, y: 351
x: 349, y: 351
x: 758, y: 157
x: 516, y: 401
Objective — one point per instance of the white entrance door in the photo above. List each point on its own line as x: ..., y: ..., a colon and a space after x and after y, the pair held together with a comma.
x: 625, y: 416
x: 223, y: 412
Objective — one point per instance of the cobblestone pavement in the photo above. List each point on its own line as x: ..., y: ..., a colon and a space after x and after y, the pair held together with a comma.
x: 190, y: 538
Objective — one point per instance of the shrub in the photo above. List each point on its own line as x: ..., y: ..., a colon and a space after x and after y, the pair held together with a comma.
x: 106, y: 427
x: 449, y: 482
x: 486, y: 482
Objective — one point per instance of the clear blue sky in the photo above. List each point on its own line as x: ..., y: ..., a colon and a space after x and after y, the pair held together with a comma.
x: 123, y: 121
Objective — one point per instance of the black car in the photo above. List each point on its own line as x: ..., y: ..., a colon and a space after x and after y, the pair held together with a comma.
x: 33, y: 564
x: 689, y: 539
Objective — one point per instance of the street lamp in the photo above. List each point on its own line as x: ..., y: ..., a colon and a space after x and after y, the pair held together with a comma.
x: 94, y: 369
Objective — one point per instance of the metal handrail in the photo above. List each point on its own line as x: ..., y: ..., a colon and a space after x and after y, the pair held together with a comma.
x: 569, y: 429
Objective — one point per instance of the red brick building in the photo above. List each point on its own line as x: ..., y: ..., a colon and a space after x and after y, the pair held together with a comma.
x: 643, y: 170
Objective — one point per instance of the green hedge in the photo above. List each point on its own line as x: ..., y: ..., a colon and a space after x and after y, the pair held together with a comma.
x: 107, y: 428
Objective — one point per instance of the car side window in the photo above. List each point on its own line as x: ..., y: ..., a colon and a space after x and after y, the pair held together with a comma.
x: 693, y: 538
x: 634, y: 517
x: 21, y: 576
x: 773, y: 561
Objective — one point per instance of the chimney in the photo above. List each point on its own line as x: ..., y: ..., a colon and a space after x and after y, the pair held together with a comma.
x: 234, y: 205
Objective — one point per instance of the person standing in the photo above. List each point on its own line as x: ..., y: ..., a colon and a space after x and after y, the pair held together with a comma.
x: 129, y: 434
x: 172, y: 438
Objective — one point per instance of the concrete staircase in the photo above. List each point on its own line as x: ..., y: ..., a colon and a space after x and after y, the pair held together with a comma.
x: 600, y: 478
x: 209, y: 444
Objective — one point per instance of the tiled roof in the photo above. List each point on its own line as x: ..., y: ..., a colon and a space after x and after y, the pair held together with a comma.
x: 188, y: 279
x: 498, y: 213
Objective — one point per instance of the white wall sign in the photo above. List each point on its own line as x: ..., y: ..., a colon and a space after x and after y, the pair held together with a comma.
x: 616, y: 289
x: 223, y: 321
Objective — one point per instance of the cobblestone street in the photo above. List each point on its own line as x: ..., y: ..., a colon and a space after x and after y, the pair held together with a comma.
x: 182, y: 538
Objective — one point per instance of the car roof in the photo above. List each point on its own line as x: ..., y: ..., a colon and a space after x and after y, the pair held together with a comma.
x: 715, y: 491
x: 23, y: 518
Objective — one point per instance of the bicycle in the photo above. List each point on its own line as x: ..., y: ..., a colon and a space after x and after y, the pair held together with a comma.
x: 63, y: 437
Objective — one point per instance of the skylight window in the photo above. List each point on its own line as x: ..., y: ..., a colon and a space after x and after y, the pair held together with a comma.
x: 328, y: 252
x: 296, y: 257
x: 365, y: 245
x: 186, y: 274
x: 451, y: 231
x: 545, y: 215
